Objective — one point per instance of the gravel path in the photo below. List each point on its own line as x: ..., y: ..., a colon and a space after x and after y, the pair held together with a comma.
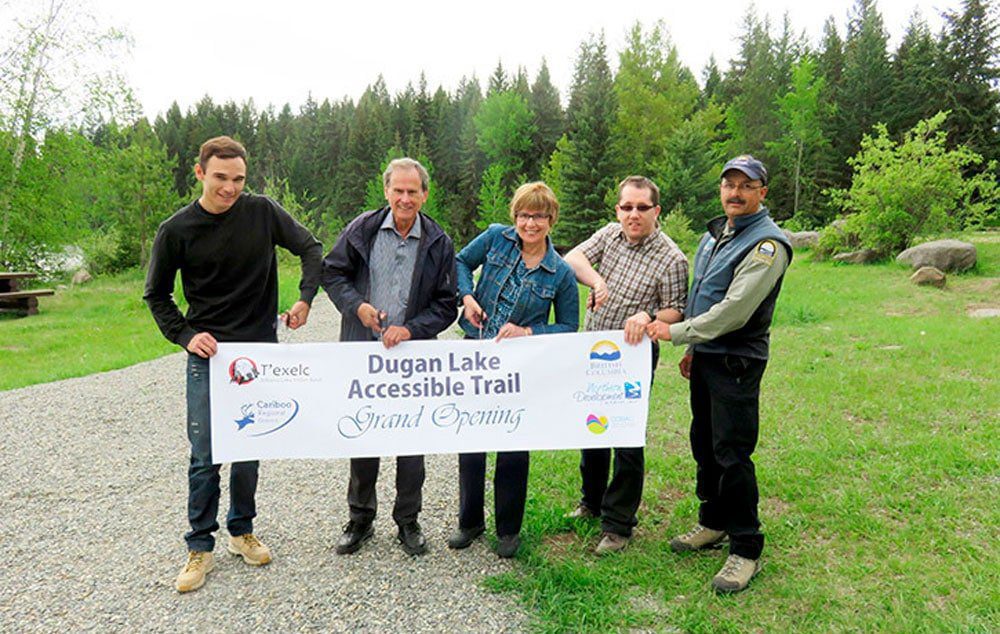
x: 92, y: 514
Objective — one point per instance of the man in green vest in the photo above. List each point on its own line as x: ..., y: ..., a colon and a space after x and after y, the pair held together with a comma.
x: 738, y: 270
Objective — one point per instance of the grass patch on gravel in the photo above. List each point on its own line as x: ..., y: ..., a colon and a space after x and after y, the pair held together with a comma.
x: 878, y: 467
x: 99, y: 326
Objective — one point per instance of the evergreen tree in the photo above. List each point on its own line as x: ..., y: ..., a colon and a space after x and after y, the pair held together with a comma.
x: 519, y: 85
x: 548, y: 119
x: 369, y: 138
x: 970, y: 63
x: 918, y: 81
x: 588, y: 166
x: 498, y: 80
x: 865, y: 88
x: 832, y: 169
x: 711, y: 78
x: 172, y: 132
x: 471, y: 163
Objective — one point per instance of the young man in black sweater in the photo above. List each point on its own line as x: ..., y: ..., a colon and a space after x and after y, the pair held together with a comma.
x: 223, y: 244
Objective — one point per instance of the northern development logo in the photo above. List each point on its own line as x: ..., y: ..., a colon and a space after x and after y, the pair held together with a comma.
x: 266, y: 417
x: 633, y: 389
x: 597, y: 424
x: 243, y: 370
x: 605, y: 350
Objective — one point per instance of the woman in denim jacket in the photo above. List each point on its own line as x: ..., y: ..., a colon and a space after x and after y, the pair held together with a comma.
x: 522, y: 279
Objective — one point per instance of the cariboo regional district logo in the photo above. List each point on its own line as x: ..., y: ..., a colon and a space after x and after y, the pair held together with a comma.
x: 266, y: 417
x: 243, y: 370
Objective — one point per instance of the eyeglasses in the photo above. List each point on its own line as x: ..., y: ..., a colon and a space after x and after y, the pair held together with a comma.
x: 741, y: 187
x: 523, y: 217
x: 640, y: 208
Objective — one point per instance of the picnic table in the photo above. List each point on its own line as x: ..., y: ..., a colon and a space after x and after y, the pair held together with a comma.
x: 14, y: 299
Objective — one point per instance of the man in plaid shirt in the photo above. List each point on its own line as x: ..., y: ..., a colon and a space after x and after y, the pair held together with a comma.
x: 643, y: 276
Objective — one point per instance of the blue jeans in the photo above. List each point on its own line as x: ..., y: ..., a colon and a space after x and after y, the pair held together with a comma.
x: 203, y: 476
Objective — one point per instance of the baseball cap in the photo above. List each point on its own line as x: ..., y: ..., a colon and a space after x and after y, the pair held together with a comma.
x: 750, y: 166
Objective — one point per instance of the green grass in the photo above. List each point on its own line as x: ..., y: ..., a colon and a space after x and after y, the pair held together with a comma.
x: 878, y: 465
x: 878, y: 462
x: 100, y: 326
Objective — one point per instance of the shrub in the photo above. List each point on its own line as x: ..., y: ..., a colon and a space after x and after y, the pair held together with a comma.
x: 903, y: 190
x: 101, y: 251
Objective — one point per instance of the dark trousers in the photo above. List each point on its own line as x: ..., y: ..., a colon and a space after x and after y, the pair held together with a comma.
x: 725, y: 396
x: 409, y: 489
x: 203, y: 476
x: 510, y: 488
x: 616, y: 502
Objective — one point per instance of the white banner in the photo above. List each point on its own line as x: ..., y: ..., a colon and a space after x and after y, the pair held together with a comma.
x: 342, y: 400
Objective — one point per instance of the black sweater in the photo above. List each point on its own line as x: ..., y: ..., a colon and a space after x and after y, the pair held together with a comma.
x: 229, y: 270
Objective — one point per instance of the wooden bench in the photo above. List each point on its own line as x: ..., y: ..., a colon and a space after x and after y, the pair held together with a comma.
x: 13, y: 299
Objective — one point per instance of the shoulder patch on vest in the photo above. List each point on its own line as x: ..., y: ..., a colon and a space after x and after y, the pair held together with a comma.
x: 765, y: 252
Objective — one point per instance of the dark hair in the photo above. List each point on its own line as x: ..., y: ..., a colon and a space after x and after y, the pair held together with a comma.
x: 641, y: 182
x: 222, y: 147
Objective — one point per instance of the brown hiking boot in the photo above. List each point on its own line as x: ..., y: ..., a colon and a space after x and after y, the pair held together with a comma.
x: 611, y: 543
x: 199, y: 564
x: 250, y: 548
x: 698, y: 538
x: 581, y: 512
x: 735, y: 574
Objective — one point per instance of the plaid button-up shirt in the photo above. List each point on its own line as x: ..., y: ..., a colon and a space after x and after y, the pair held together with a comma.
x: 647, y: 276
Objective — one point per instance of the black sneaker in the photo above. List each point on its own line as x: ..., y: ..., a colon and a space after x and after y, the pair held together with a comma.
x: 412, y: 539
x: 464, y: 537
x: 507, y: 545
x: 355, y: 534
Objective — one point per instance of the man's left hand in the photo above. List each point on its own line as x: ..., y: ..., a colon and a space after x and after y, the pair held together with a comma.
x: 297, y: 315
x: 635, y: 328
x: 393, y: 335
x: 658, y: 330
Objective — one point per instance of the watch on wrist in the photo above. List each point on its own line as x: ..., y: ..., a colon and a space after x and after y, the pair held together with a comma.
x: 652, y: 315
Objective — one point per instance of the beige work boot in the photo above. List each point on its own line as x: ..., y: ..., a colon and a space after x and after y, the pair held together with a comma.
x: 250, y: 548
x: 581, y: 512
x: 698, y: 538
x: 611, y: 543
x: 199, y: 564
x: 736, y: 573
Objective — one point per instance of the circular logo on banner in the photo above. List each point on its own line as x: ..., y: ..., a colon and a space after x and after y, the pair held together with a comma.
x: 243, y: 370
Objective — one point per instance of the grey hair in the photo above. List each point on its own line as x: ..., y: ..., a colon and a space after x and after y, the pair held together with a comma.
x: 406, y: 163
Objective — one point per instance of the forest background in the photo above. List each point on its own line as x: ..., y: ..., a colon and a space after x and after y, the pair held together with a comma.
x: 81, y: 168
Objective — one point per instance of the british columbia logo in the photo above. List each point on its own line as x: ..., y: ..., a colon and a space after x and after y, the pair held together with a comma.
x: 605, y: 360
x: 597, y: 424
x: 243, y: 370
x: 266, y: 417
x: 605, y: 350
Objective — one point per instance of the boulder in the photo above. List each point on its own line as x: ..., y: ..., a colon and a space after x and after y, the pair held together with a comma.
x: 928, y: 276
x: 801, y: 239
x: 945, y: 255
x: 81, y: 277
x: 984, y: 313
x: 864, y: 256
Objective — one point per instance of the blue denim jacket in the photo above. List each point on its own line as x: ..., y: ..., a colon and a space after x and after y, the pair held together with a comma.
x: 552, y: 282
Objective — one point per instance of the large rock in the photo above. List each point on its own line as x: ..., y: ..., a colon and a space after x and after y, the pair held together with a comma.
x: 946, y: 255
x: 801, y: 239
x: 864, y: 256
x: 929, y: 276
